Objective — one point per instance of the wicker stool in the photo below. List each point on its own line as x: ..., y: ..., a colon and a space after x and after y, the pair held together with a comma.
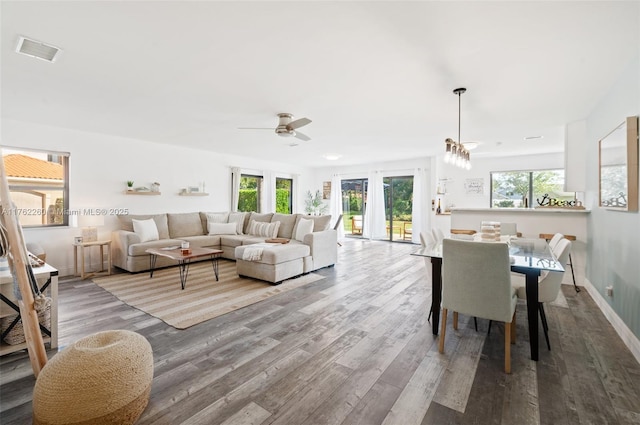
x: 103, y: 378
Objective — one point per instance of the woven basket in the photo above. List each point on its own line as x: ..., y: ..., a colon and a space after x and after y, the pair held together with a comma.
x: 16, y: 335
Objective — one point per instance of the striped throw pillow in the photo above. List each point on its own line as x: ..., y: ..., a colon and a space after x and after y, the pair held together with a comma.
x: 266, y: 230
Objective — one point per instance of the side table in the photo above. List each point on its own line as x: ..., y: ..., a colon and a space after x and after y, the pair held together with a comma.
x: 82, y: 246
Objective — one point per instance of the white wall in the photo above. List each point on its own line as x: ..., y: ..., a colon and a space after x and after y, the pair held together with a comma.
x: 100, y: 165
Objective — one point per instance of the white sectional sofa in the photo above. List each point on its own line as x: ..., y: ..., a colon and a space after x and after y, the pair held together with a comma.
x: 314, y: 250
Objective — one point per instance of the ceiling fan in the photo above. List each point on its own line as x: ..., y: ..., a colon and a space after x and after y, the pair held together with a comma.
x: 286, y: 127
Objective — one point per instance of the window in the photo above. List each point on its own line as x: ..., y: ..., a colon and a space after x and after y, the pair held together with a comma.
x: 39, y: 186
x: 250, y: 193
x: 284, y: 198
x: 520, y: 189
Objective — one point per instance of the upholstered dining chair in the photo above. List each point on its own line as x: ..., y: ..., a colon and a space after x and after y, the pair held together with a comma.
x: 548, y: 285
x: 555, y: 239
x: 426, y: 239
x: 476, y: 281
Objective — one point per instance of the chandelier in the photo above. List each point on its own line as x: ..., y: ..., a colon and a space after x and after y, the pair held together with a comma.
x: 456, y: 154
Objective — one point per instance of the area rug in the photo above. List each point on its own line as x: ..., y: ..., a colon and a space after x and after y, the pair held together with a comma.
x: 202, y: 299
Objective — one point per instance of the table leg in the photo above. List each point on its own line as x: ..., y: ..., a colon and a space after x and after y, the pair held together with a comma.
x: 101, y: 258
x: 532, y: 310
x: 214, y: 261
x: 82, y: 261
x: 184, y: 272
x: 436, y: 292
x: 75, y: 260
x: 152, y: 264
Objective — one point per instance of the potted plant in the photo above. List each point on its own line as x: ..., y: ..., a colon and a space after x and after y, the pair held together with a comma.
x: 313, y: 204
x: 129, y: 185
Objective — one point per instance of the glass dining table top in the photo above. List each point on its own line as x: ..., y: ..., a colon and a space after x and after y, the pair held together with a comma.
x: 523, y: 253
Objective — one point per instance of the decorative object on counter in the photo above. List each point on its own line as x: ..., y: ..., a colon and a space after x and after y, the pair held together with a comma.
x: 129, y: 184
x: 155, y: 187
x: 456, y: 153
x: 313, y: 205
x: 439, y: 209
x: 549, y: 202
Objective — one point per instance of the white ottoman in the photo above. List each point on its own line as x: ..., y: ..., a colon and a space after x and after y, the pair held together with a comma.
x: 272, y: 262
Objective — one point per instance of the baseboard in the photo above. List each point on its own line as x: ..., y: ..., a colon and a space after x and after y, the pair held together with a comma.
x: 630, y: 340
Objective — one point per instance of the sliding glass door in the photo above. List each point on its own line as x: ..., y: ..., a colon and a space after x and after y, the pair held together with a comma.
x: 354, y: 201
x: 398, y: 193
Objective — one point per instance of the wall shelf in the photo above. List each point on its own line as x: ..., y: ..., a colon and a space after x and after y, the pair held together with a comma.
x: 136, y: 192
x: 193, y: 194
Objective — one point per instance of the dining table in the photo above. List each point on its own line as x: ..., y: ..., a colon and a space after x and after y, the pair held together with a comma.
x: 526, y: 255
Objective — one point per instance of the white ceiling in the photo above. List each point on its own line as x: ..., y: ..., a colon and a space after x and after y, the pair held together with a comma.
x: 376, y: 78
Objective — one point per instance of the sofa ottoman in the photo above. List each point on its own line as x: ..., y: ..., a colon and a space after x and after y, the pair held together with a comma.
x: 272, y: 262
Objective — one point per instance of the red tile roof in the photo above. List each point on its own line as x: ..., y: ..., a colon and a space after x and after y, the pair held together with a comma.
x: 17, y: 165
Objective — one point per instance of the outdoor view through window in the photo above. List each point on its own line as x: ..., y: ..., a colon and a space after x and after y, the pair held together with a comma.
x: 38, y: 183
x: 527, y: 189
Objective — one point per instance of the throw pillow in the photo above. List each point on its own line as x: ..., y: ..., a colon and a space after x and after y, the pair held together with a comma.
x: 222, y: 228
x: 238, y: 218
x: 146, y: 229
x: 265, y: 230
x: 304, y: 227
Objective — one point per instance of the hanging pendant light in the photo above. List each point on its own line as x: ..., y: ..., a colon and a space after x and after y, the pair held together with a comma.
x: 455, y: 152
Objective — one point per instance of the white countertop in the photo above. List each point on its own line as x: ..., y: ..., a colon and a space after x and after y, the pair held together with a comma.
x: 522, y: 210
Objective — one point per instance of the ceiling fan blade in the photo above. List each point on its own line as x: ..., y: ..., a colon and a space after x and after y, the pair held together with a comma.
x: 255, y: 128
x: 302, y: 136
x: 298, y: 123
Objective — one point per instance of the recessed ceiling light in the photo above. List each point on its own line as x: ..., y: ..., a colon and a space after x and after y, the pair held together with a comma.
x: 37, y: 49
x: 533, y: 137
x: 332, y: 156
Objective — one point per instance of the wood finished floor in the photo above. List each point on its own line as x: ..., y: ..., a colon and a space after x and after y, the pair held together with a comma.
x: 356, y: 348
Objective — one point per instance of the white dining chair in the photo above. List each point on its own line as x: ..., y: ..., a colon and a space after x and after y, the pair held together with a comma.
x: 548, y: 285
x: 426, y: 239
x: 476, y: 281
x: 438, y: 234
x: 555, y: 239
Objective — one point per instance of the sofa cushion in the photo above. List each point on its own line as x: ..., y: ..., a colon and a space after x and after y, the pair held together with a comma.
x: 239, y: 218
x: 320, y: 222
x: 184, y: 224
x: 280, y: 253
x: 205, y: 241
x: 287, y: 221
x: 145, y: 229
x: 160, y: 219
x: 263, y: 218
x: 304, y: 227
x: 232, y: 240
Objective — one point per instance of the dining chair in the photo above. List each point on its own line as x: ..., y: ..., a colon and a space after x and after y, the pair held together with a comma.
x: 476, y: 281
x: 548, y: 286
x: 337, y: 225
x: 438, y: 234
x: 555, y: 239
x: 426, y: 239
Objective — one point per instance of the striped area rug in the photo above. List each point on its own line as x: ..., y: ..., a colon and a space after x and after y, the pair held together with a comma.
x: 202, y: 299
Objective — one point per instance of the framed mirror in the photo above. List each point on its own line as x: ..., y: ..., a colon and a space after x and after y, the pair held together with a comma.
x: 619, y: 167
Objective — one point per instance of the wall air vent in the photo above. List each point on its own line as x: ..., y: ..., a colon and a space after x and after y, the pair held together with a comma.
x: 37, y: 49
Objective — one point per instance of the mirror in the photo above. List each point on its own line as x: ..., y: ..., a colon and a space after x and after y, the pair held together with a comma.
x: 619, y: 167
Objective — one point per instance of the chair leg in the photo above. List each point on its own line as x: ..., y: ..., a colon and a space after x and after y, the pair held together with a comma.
x: 572, y: 274
x: 513, y: 328
x: 475, y: 322
x: 507, y: 348
x: 429, y: 316
x: 545, y: 326
x: 443, y: 328
x: 455, y: 320
x: 489, y: 330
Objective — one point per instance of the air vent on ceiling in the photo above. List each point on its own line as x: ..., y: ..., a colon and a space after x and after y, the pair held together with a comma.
x: 37, y: 49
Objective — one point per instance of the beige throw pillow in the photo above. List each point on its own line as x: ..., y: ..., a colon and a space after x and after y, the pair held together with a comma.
x: 145, y: 229
x: 222, y: 229
x: 304, y: 227
x: 238, y: 218
x: 266, y: 230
